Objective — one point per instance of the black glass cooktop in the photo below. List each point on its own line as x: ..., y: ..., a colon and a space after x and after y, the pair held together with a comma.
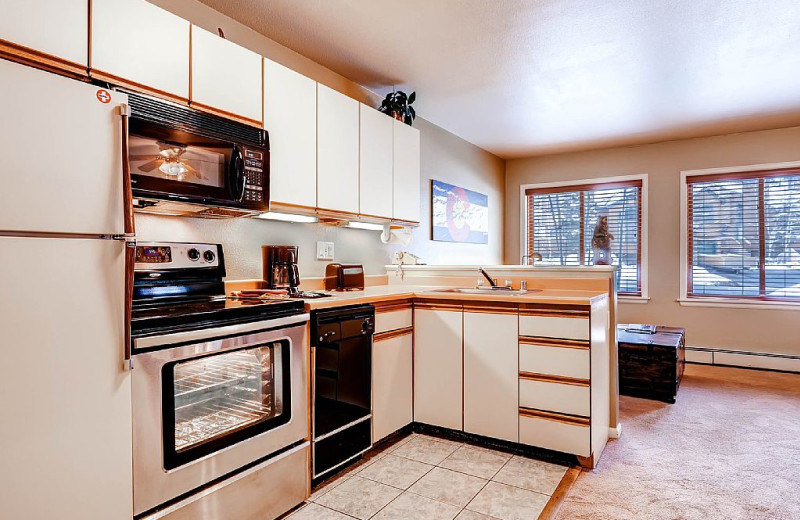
x: 165, y: 317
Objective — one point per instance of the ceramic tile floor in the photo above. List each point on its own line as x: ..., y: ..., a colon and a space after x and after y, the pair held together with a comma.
x: 421, y: 477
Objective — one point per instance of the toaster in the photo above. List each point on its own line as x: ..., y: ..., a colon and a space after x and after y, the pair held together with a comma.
x: 344, y: 277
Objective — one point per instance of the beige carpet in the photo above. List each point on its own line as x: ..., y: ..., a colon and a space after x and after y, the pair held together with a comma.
x: 729, y: 449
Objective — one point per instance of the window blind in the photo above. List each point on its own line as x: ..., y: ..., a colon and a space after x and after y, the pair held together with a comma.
x: 743, y: 237
x: 561, y: 223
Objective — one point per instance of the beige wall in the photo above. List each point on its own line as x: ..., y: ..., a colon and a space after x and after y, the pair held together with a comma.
x: 772, y: 331
x: 443, y: 157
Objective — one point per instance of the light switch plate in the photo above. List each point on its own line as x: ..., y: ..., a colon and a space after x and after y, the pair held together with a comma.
x: 324, y: 250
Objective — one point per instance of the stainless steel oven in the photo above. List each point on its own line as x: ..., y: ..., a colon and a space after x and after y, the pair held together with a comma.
x: 210, y: 402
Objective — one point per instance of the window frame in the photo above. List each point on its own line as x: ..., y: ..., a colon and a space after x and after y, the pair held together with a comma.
x: 597, y: 181
x: 754, y: 302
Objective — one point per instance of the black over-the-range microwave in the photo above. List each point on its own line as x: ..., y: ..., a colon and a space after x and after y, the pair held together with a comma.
x: 180, y: 157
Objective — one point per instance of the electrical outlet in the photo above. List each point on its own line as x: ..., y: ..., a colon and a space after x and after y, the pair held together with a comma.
x: 324, y: 250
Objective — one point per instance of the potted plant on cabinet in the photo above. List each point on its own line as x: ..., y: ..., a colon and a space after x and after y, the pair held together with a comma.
x: 398, y: 105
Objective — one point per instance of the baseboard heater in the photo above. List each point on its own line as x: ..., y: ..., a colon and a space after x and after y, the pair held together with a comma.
x: 744, y: 359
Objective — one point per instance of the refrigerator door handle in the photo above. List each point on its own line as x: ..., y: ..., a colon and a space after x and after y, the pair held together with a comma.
x: 129, y: 235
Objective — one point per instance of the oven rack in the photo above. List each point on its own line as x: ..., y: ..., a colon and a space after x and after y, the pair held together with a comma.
x: 217, y: 417
x: 211, y: 374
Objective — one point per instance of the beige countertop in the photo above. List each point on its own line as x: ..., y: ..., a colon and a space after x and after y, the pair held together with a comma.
x: 383, y: 293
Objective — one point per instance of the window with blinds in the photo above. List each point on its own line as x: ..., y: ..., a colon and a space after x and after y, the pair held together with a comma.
x: 562, y: 220
x: 743, y: 238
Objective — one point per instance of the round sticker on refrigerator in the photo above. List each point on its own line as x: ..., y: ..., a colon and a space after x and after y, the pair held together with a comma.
x: 103, y: 96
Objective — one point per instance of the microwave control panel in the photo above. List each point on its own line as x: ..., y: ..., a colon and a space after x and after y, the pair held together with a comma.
x: 255, y: 178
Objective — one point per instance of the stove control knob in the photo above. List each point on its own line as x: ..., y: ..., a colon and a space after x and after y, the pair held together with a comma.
x: 193, y: 254
x: 209, y: 255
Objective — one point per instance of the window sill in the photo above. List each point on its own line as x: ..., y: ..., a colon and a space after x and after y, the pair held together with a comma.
x: 633, y: 299
x: 739, y: 304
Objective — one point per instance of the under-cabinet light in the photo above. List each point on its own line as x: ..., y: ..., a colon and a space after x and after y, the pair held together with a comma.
x: 288, y: 217
x: 366, y: 225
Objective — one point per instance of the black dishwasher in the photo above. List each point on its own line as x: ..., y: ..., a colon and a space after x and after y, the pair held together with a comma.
x: 342, y: 348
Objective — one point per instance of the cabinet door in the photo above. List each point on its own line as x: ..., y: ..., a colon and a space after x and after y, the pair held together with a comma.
x: 226, y: 77
x: 140, y: 43
x: 438, y: 381
x: 376, y: 146
x: 406, y: 172
x: 491, y: 403
x: 392, y: 391
x: 55, y: 28
x: 337, y: 151
x: 290, y: 117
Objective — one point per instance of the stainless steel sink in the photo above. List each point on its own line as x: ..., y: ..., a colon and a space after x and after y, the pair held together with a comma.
x: 488, y: 290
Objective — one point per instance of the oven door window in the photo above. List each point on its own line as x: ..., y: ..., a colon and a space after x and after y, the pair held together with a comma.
x: 218, y: 400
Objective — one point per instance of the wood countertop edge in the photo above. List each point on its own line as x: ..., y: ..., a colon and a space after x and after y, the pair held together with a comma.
x: 591, y: 298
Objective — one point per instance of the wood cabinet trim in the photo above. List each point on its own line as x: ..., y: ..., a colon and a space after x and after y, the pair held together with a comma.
x: 547, y: 378
x: 40, y: 60
x: 383, y: 336
x: 557, y: 417
x: 554, y: 342
x: 438, y: 305
x: 394, y: 306
x: 286, y: 206
x: 491, y: 307
x: 554, y: 313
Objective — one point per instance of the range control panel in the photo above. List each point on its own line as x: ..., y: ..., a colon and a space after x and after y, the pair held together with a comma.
x: 255, y: 176
x: 170, y: 255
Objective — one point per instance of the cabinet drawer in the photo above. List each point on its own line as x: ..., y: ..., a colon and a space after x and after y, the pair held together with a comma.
x: 551, y: 360
x: 554, y: 327
x: 555, y: 434
x: 393, y: 320
x: 552, y: 396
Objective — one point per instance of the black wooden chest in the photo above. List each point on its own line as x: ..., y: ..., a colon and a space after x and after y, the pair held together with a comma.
x: 651, y: 365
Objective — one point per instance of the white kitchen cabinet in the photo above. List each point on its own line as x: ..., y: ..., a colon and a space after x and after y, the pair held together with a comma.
x: 337, y: 151
x: 226, y: 77
x: 392, y: 380
x: 57, y: 29
x: 554, y: 327
x: 491, y: 405
x: 406, y: 176
x: 438, y: 377
x: 376, y: 152
x: 142, y: 44
x: 290, y: 117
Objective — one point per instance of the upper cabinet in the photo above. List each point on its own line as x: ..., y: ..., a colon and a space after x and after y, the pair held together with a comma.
x: 337, y: 151
x: 375, y: 193
x: 406, y: 172
x: 52, y: 33
x: 225, y: 77
x: 134, y: 41
x: 290, y: 117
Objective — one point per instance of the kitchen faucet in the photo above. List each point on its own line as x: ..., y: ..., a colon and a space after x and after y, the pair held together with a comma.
x: 486, y: 275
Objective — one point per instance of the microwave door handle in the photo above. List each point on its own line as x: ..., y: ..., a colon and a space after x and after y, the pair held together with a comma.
x: 238, y: 174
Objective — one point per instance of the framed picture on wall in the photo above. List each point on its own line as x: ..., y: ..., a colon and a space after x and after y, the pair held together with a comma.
x: 458, y: 214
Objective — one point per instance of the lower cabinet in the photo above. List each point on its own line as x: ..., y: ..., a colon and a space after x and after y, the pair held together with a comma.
x: 438, y: 381
x: 392, y: 380
x: 490, y: 375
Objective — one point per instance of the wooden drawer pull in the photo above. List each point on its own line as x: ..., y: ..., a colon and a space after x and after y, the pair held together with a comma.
x: 553, y: 342
x: 382, y: 336
x: 531, y: 376
x: 552, y: 416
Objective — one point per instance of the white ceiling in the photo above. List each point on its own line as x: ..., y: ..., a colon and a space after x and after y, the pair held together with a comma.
x: 527, y: 77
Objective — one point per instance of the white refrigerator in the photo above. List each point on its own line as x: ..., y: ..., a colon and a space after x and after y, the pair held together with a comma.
x: 65, y: 390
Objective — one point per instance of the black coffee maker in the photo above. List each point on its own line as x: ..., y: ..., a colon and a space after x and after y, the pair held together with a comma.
x: 280, y: 267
